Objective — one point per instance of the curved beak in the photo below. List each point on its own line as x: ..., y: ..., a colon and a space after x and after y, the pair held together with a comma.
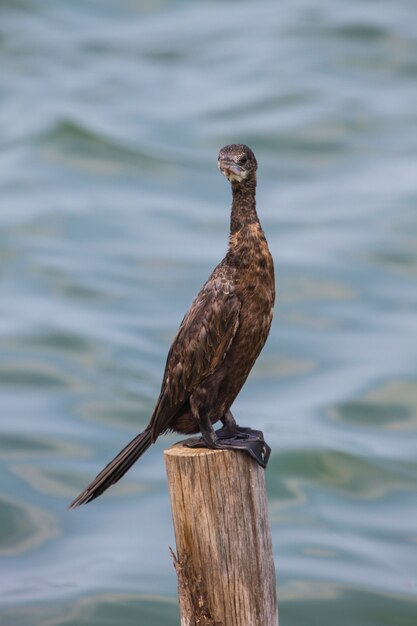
x: 226, y: 166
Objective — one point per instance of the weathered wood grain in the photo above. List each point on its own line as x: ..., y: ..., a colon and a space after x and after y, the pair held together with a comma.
x: 224, y: 561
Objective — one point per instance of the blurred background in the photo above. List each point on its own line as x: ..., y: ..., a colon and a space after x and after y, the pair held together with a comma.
x: 113, y: 213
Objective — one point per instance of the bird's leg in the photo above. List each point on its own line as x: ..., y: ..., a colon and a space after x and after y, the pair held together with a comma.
x: 229, y: 421
x: 229, y: 425
x: 232, y: 437
x: 208, y: 437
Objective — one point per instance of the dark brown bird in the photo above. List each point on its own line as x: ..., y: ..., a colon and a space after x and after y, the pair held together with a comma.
x: 218, y: 340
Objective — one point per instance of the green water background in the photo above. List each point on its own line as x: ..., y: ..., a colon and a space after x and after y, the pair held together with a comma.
x: 112, y: 214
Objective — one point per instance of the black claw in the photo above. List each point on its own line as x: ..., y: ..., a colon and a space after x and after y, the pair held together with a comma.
x: 237, y: 439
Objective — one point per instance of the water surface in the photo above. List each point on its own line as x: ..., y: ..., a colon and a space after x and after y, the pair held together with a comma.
x: 113, y: 214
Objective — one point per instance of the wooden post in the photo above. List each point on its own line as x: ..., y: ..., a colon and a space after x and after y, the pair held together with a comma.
x: 224, y: 561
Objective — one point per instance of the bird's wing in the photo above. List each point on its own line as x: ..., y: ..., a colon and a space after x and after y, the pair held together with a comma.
x: 198, y: 349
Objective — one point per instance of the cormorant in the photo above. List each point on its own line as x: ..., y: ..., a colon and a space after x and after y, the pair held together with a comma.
x: 218, y: 340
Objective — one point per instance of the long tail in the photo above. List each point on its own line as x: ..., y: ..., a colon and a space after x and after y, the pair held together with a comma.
x: 115, y: 469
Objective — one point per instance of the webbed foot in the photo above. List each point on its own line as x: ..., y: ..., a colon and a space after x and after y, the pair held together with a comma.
x: 236, y: 438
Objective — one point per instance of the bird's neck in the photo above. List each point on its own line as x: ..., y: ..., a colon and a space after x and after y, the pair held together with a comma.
x: 243, y: 206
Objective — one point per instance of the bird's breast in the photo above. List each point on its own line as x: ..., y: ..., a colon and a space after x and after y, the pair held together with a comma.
x: 255, y: 286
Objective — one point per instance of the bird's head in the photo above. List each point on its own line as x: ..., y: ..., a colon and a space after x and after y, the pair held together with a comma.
x: 237, y: 162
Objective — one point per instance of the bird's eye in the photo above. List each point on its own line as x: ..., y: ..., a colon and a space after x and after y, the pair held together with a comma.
x: 243, y: 159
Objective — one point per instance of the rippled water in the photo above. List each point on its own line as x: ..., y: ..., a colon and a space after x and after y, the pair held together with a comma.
x: 113, y: 214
